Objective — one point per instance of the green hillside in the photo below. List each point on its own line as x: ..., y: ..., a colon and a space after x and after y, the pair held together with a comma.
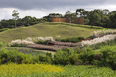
x: 46, y: 29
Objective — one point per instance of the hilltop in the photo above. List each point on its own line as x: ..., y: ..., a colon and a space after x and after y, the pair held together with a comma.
x: 47, y: 29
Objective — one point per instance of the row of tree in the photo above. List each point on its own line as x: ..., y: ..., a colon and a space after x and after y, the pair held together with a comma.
x: 97, y: 17
x: 17, y: 22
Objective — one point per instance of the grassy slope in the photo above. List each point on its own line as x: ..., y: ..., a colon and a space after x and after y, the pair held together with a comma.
x: 42, y: 30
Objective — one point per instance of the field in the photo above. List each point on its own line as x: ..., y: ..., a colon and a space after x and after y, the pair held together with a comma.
x: 47, y: 29
x: 82, y: 62
x: 45, y: 70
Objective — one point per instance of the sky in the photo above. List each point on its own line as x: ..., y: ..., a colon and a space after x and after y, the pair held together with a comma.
x: 40, y: 8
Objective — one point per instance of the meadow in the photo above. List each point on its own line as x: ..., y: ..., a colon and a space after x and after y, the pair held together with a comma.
x: 46, y: 30
x: 96, y: 58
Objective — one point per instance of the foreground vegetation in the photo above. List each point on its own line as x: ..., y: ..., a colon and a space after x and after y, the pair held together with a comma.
x: 45, y: 70
x: 15, y: 70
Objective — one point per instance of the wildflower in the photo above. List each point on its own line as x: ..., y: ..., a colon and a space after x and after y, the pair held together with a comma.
x: 99, y: 40
x: 30, y: 40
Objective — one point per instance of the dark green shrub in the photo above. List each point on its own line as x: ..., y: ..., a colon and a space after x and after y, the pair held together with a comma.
x: 49, y: 59
x: 62, y: 57
x: 45, y: 59
x: 87, y: 57
x: 49, y: 54
x: 42, y: 42
x: 108, y: 56
x: 42, y: 58
x: 74, y: 59
x: 73, y: 40
x: 91, y: 37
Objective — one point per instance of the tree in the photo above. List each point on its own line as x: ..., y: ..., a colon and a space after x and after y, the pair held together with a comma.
x: 5, y: 23
x: 95, y: 19
x: 113, y: 19
x: 80, y: 12
x: 15, y: 16
x: 27, y: 20
x: 52, y: 15
x: 105, y: 11
x: 55, y: 15
x: 68, y: 15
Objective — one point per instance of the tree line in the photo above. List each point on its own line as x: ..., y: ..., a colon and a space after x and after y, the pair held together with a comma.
x: 18, y: 22
x: 96, y: 17
x: 26, y: 21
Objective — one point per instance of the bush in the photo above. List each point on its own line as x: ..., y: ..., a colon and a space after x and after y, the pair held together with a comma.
x: 62, y: 57
x: 74, y: 59
x: 42, y: 42
x: 49, y: 54
x: 87, y: 57
x: 73, y: 40
x: 91, y: 37
x: 108, y: 56
x: 45, y: 59
x: 13, y: 55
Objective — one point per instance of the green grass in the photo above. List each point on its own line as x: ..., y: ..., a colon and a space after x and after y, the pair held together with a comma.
x: 46, y: 29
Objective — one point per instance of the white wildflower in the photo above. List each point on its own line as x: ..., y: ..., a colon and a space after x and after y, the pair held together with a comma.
x: 99, y: 40
x: 30, y: 40
x: 109, y: 31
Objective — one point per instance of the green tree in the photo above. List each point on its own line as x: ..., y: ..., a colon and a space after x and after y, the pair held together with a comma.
x: 5, y: 23
x: 52, y: 15
x: 70, y: 16
x: 95, y: 19
x: 15, y: 16
x: 1, y: 26
x: 113, y: 19
x: 105, y: 11
x: 80, y: 12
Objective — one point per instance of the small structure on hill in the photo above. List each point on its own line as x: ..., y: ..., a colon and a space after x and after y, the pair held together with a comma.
x: 67, y: 20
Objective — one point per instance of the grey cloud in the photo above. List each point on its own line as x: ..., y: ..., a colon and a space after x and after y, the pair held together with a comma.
x: 46, y: 4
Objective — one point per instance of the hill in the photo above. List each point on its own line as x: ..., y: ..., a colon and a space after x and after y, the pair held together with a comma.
x: 47, y: 29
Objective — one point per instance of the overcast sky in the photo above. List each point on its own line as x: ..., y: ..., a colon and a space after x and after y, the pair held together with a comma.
x: 40, y: 8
